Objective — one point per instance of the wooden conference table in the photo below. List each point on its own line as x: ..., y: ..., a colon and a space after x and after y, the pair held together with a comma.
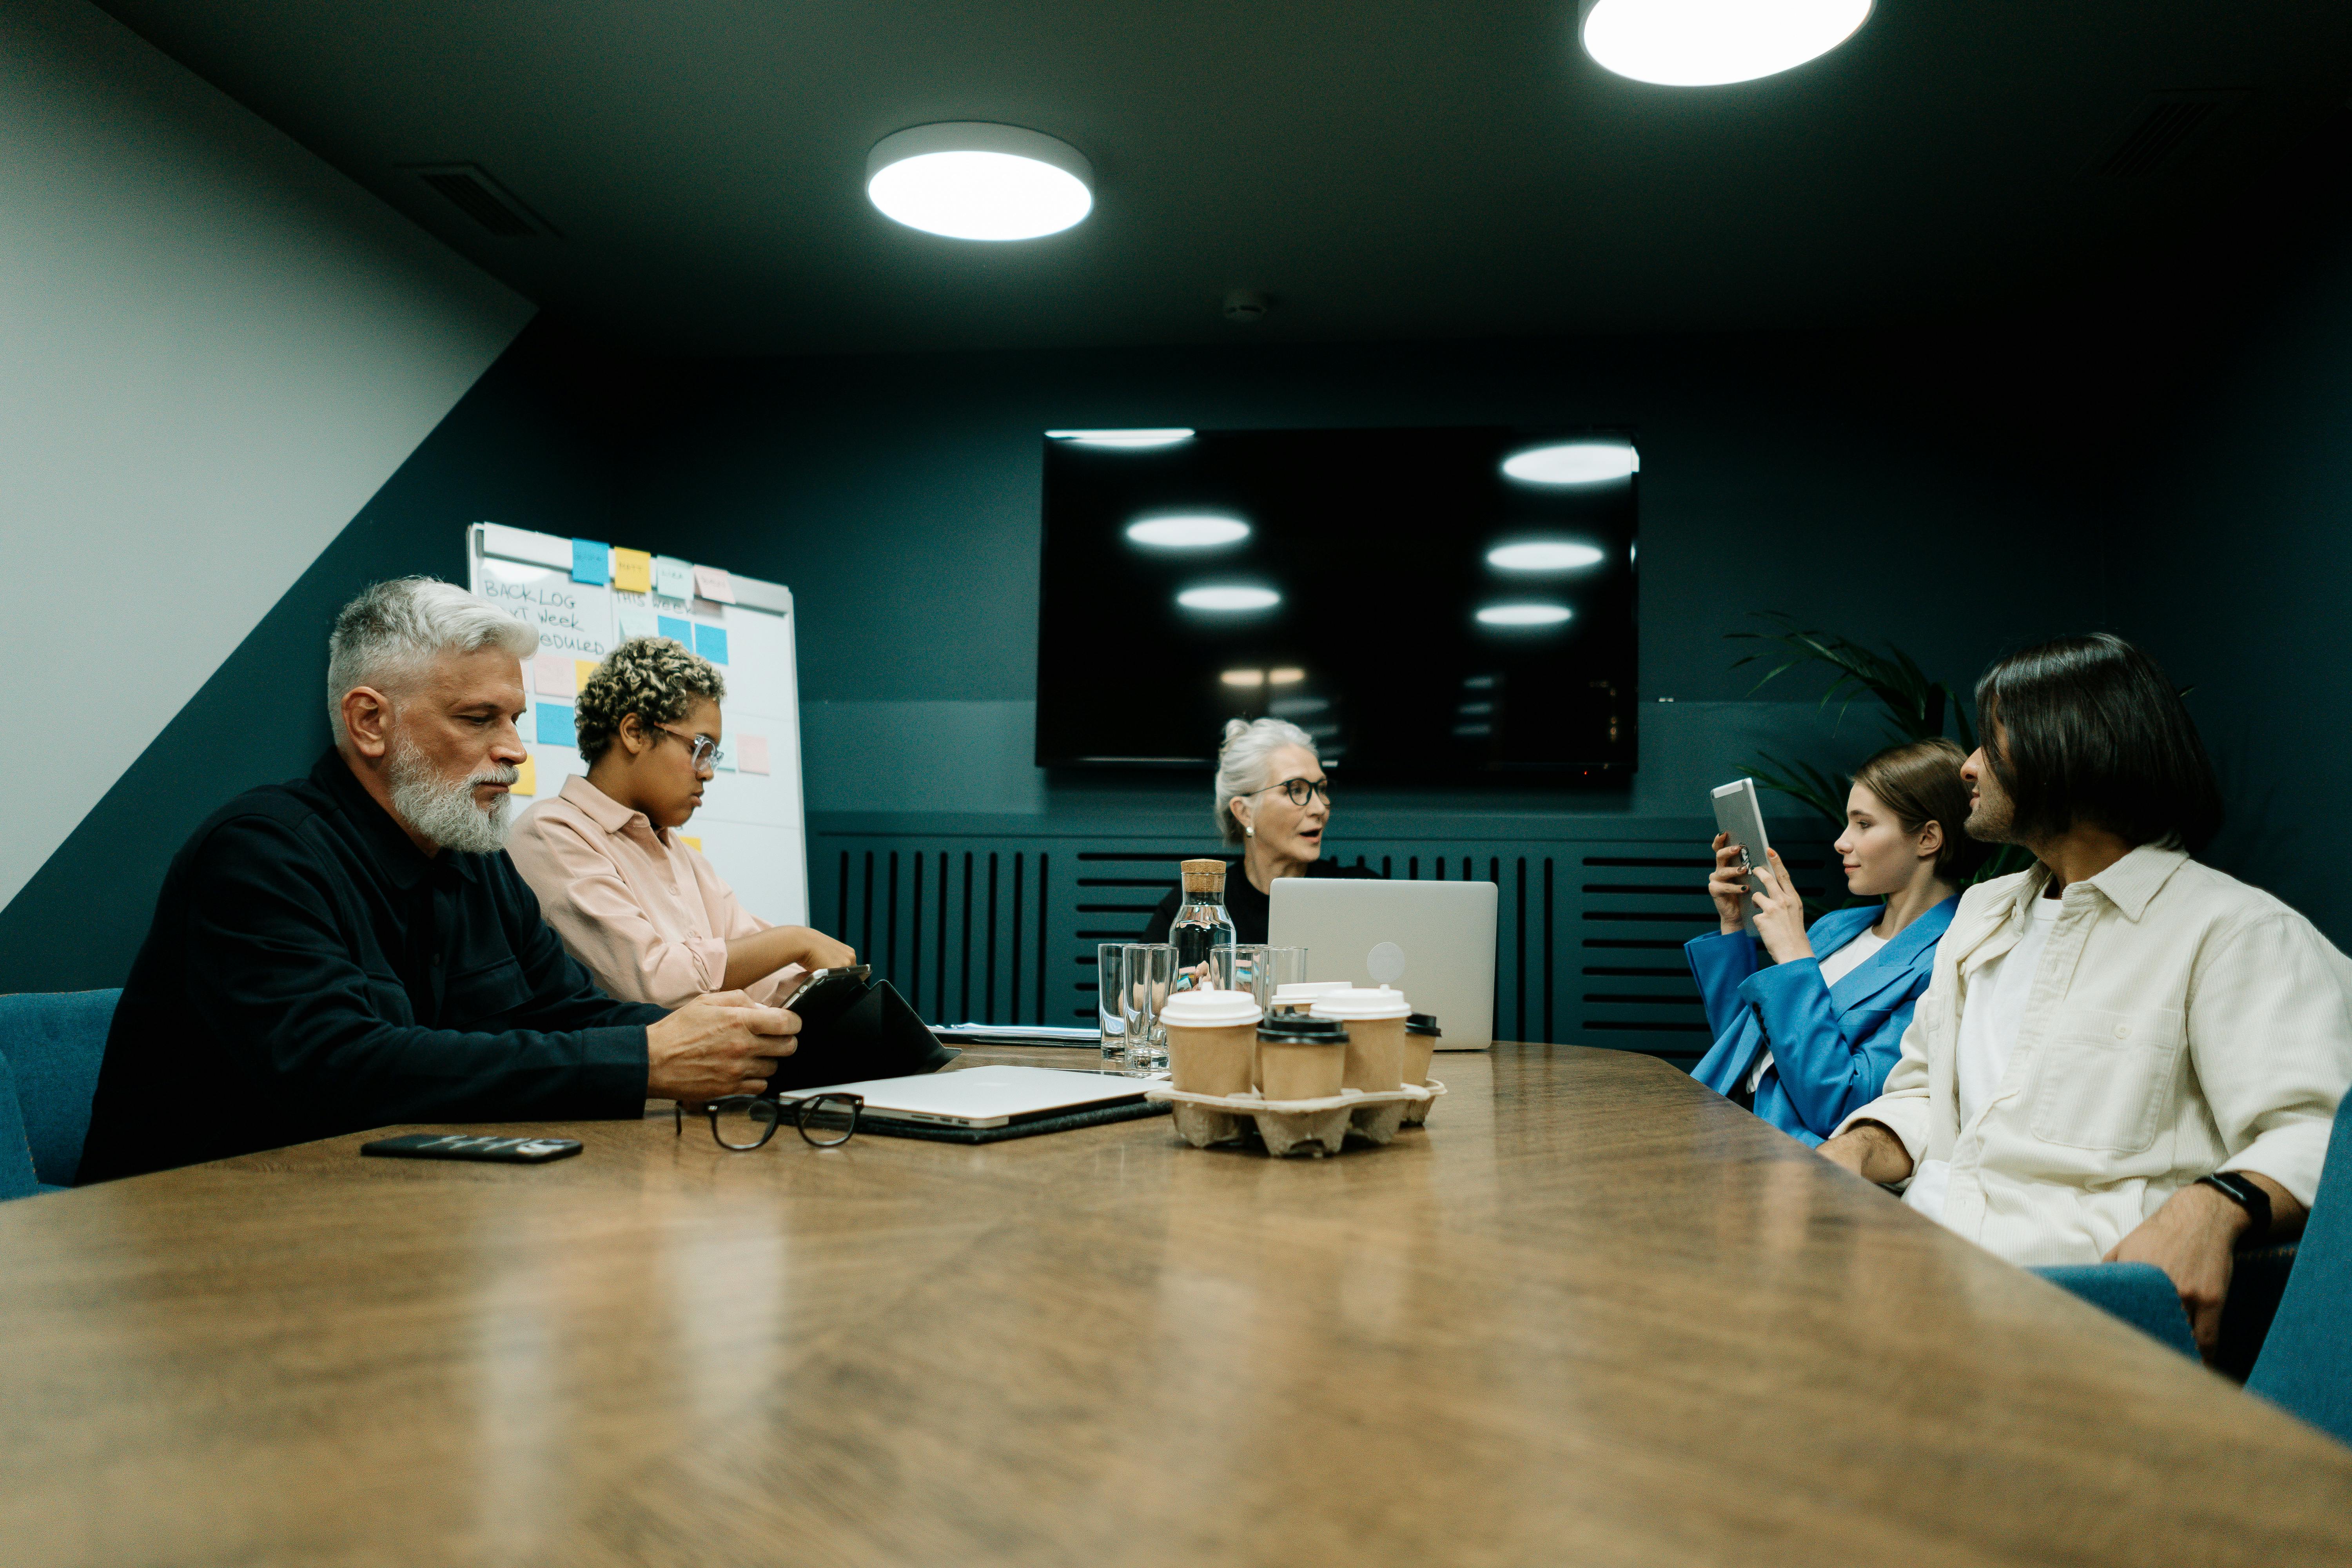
x: 1593, y: 1315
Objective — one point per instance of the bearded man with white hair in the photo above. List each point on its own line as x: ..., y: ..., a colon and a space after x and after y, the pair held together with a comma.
x: 352, y: 949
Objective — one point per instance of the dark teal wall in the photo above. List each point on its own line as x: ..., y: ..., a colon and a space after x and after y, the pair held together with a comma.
x: 1885, y: 486
x: 2234, y: 558
x: 514, y: 449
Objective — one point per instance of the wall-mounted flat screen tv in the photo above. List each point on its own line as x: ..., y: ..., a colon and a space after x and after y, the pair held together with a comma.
x: 1432, y: 605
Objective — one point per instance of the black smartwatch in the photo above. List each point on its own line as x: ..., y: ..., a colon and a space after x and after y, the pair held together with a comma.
x: 2248, y: 1195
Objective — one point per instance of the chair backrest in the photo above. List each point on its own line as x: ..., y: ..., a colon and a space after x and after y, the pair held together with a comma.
x: 16, y: 1178
x: 2306, y: 1361
x: 54, y: 1040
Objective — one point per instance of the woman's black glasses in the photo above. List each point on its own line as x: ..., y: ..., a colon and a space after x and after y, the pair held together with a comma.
x: 1295, y: 791
x: 745, y: 1121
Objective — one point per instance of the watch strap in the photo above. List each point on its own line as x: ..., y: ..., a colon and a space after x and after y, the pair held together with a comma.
x: 2247, y: 1195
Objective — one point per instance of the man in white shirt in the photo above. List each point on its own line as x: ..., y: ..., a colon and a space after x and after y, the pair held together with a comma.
x: 2123, y: 1054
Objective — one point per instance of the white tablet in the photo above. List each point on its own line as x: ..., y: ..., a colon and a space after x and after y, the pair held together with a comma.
x: 1740, y: 815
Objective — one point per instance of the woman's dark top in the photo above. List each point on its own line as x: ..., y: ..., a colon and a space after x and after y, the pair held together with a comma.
x: 1242, y: 902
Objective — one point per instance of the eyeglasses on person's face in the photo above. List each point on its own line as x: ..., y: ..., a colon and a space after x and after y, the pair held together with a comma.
x: 745, y: 1121
x: 1297, y: 791
x: 701, y: 751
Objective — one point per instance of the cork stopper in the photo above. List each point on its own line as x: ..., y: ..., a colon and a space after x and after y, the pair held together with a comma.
x: 1204, y: 875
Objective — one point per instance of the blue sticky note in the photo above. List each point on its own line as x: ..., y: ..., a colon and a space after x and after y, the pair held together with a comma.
x: 555, y: 725
x: 711, y: 642
x: 723, y: 759
x: 591, y: 561
x: 675, y: 629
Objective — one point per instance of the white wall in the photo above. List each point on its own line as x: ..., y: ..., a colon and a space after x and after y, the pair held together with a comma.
x: 213, y: 349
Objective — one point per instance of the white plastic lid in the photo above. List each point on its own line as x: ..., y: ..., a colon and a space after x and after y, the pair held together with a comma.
x: 1379, y: 1002
x: 1303, y: 990
x: 1209, y: 1009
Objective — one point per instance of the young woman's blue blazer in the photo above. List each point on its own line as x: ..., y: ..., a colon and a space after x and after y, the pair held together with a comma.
x: 1832, y: 1045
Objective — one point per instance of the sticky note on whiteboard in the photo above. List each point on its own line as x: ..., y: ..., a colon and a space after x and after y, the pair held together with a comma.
x: 713, y: 583
x: 526, y: 779
x: 591, y: 561
x: 552, y: 675
x: 555, y: 725
x: 711, y: 642
x: 633, y: 571
x: 751, y: 753
x: 673, y: 578
x: 637, y: 623
x: 693, y: 844
x: 677, y: 628
x: 582, y: 668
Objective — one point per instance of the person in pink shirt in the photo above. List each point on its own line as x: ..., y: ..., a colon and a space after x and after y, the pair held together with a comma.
x: 631, y: 900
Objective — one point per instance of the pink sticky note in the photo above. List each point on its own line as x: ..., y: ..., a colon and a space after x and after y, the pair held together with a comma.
x: 713, y: 583
x: 750, y: 753
x: 554, y: 675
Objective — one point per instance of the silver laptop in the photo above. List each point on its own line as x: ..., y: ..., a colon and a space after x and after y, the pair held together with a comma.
x: 986, y: 1096
x: 1432, y: 941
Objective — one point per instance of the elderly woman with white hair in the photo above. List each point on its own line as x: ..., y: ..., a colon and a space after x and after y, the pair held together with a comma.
x: 1274, y: 799
x: 352, y: 949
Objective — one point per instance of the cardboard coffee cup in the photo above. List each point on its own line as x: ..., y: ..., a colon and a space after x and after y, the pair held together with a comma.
x: 1375, y: 1020
x: 1301, y: 1058
x: 1421, y: 1036
x: 1211, y: 1040
x: 1299, y: 995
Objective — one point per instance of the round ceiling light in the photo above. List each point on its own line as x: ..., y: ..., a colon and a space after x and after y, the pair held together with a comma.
x: 1544, y: 555
x: 1707, y: 43
x: 1573, y: 463
x: 1192, y: 532
x: 1229, y: 598
x: 1523, y: 615
x: 970, y: 180
x: 1167, y: 438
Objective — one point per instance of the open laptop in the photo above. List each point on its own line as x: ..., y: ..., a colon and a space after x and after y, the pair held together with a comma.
x: 986, y: 1096
x: 1432, y: 941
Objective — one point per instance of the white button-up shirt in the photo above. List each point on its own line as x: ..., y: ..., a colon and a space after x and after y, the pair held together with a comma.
x: 2180, y: 1023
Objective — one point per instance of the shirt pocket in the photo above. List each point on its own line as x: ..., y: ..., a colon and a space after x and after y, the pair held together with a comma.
x: 2105, y: 1079
x: 481, y: 995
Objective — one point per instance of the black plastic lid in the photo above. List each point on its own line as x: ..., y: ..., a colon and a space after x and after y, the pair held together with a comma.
x: 1301, y: 1029
x: 1422, y: 1023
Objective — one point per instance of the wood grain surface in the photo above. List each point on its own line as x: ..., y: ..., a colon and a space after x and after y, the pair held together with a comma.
x: 1593, y: 1315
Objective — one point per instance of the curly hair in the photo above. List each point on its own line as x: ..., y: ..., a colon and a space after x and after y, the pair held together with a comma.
x: 653, y: 678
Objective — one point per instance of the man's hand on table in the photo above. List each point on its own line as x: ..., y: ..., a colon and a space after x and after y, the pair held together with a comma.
x: 1871, y: 1151
x: 2194, y: 1238
x: 720, y: 1044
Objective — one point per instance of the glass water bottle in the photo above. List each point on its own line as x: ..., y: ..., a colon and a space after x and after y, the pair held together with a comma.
x: 1201, y: 926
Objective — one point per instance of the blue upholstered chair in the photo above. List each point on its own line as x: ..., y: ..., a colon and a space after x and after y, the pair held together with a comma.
x: 2306, y: 1361
x: 16, y: 1178
x: 52, y: 1042
x: 2141, y: 1294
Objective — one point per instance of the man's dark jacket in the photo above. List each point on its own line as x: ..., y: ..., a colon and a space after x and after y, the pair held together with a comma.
x: 310, y: 972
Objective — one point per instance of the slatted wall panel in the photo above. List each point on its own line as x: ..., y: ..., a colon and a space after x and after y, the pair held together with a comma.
x: 998, y: 929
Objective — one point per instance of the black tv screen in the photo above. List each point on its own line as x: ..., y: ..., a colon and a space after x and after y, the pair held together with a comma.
x: 1427, y: 604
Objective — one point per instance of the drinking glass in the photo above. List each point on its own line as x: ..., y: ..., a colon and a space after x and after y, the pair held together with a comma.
x: 1110, y: 1016
x: 1147, y: 973
x: 1279, y: 966
x: 1239, y: 972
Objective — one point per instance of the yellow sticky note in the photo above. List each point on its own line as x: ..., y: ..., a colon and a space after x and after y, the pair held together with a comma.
x: 693, y: 844
x: 633, y: 570
x: 526, y: 779
x: 583, y: 668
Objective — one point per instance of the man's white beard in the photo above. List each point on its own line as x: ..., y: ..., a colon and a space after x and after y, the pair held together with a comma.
x: 442, y: 810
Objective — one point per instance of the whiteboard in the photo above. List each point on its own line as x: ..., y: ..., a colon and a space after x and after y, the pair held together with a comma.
x: 750, y: 826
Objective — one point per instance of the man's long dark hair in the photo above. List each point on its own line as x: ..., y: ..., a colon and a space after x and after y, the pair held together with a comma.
x: 2094, y: 734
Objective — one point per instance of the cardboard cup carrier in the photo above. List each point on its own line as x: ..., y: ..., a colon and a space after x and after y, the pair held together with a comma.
x: 1303, y: 1100
x: 1211, y: 1040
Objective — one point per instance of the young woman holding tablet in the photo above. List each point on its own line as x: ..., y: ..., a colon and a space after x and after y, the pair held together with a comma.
x: 1807, y: 1023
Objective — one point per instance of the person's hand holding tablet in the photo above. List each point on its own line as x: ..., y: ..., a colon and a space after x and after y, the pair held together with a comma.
x: 1780, y: 912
